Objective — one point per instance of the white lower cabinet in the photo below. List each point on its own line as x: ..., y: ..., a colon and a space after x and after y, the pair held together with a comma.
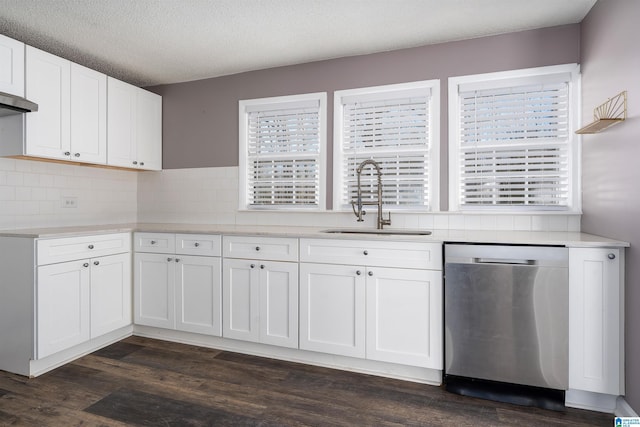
x: 404, y: 316
x: 110, y: 293
x: 176, y: 291
x: 63, y: 313
x: 332, y: 309
x: 596, y: 320
x: 389, y: 309
x: 261, y: 301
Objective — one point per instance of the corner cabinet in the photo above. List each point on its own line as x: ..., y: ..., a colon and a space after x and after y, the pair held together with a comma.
x: 11, y: 66
x: 385, y: 305
x: 134, y: 126
x: 62, y: 298
x: 177, y: 282
x: 596, y: 320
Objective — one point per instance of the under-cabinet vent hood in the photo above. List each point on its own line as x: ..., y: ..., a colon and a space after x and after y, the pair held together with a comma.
x: 12, y: 104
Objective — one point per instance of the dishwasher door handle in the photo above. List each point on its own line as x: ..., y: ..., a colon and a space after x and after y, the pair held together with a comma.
x: 504, y: 261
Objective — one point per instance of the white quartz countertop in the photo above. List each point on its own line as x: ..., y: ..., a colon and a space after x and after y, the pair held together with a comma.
x: 556, y: 238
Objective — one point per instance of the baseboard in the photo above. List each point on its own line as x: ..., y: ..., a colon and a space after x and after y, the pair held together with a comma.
x: 623, y: 409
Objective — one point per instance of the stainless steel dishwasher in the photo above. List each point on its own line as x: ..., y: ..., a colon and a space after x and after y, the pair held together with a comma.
x: 506, y: 314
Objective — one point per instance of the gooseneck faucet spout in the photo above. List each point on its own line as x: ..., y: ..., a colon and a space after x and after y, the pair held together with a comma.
x: 358, y: 203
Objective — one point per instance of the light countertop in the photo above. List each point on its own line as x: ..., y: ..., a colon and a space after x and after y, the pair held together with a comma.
x: 556, y: 238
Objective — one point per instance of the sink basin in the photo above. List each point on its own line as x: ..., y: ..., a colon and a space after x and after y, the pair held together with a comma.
x: 379, y: 232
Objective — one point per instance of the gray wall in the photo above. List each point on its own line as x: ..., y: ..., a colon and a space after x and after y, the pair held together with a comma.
x: 610, y: 160
x: 200, y: 119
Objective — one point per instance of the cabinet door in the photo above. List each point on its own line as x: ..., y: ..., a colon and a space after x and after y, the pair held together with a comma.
x: 149, y: 130
x: 110, y: 293
x: 199, y: 295
x: 88, y: 115
x: 48, y: 84
x: 596, y: 317
x: 332, y: 309
x: 11, y: 66
x: 241, y: 299
x: 154, y: 290
x: 121, y: 123
x: 404, y: 316
x: 62, y: 306
x: 279, y: 303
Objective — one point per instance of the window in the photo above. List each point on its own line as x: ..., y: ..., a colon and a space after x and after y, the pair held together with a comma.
x: 397, y: 126
x: 282, y: 152
x: 512, y: 142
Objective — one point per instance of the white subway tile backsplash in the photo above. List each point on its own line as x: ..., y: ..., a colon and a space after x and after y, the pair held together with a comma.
x: 31, y: 192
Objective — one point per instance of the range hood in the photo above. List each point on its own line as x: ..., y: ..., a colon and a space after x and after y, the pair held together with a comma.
x: 12, y: 104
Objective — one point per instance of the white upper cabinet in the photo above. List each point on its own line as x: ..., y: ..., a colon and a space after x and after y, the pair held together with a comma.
x: 11, y: 66
x: 88, y: 115
x: 48, y: 81
x: 71, y: 121
x: 134, y: 126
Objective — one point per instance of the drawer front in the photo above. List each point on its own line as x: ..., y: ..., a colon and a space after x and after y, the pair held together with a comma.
x: 372, y: 253
x: 267, y: 248
x: 64, y: 249
x: 198, y: 244
x: 162, y: 243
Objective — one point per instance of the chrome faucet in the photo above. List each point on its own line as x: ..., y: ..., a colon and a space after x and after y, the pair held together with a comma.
x: 359, y: 212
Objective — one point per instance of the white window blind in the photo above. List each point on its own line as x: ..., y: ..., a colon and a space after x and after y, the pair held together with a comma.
x: 514, y: 147
x: 283, y: 146
x: 394, y: 128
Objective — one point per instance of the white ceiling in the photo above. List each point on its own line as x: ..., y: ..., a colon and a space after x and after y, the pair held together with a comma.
x: 147, y: 42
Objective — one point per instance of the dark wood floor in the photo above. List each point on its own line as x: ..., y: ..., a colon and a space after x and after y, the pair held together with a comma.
x: 147, y: 382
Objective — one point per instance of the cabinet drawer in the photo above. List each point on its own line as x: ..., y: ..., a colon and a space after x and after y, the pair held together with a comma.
x: 163, y: 243
x: 372, y: 253
x: 198, y: 244
x: 267, y: 248
x: 64, y: 249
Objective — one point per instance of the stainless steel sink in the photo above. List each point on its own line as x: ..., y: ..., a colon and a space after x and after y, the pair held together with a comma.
x: 375, y: 231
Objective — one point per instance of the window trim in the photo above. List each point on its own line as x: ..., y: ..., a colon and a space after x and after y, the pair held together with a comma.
x: 502, y: 78
x: 434, y: 140
x: 243, y: 107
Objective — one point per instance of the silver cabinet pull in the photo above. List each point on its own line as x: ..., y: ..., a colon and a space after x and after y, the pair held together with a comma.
x: 135, y: 162
x: 77, y: 155
x: 67, y: 153
x: 366, y: 252
x: 358, y: 272
x: 90, y: 246
x: 169, y: 259
x: 141, y: 163
x: 86, y: 264
x: 257, y: 248
x: 153, y: 242
x: 253, y: 265
x: 196, y: 244
x: 370, y: 273
x: 96, y: 262
x: 611, y: 256
x: 177, y: 259
x: 262, y: 266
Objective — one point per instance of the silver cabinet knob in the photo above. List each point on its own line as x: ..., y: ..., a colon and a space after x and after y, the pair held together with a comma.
x: 153, y: 242
x: 90, y: 246
x: 135, y: 162
x: 67, y: 153
x: 77, y: 155
x: 611, y: 256
x: 253, y: 266
x: 196, y: 244
x: 169, y: 259
x: 141, y: 163
x: 177, y: 259
x: 86, y: 264
x: 366, y: 252
x: 262, y: 266
x: 370, y: 273
x: 96, y: 262
x: 257, y: 248
x: 358, y: 272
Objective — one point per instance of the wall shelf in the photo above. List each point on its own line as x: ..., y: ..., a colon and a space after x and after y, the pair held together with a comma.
x: 607, y: 114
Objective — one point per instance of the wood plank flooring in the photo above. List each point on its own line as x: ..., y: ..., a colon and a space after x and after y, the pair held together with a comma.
x: 147, y: 382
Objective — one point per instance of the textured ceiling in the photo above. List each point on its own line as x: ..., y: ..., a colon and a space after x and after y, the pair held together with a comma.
x: 148, y: 42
